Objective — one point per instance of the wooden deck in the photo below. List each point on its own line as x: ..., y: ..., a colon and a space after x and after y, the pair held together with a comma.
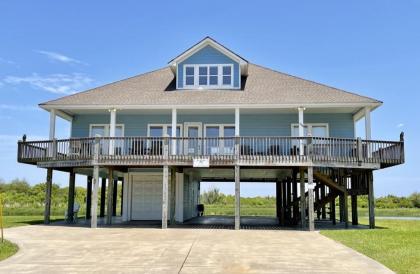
x: 229, y: 151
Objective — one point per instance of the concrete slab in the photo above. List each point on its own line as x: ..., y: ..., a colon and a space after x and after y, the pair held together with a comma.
x: 64, y: 249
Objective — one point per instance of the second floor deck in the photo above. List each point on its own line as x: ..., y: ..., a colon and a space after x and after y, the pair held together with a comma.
x: 228, y: 151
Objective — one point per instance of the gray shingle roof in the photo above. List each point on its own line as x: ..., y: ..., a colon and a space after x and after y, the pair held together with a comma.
x: 262, y: 86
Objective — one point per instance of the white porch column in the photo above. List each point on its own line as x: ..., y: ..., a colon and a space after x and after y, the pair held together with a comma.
x: 301, y: 129
x: 368, y: 131
x: 173, y: 131
x: 52, y: 124
x: 237, y: 121
x: 112, y: 126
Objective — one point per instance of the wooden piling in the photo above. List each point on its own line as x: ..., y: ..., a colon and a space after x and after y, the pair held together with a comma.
x: 237, y: 197
x: 354, y: 215
x: 311, y: 187
x: 110, y: 197
x: 302, y: 199
x: 48, y: 187
x: 323, y: 209
x: 103, y: 194
x: 371, y: 200
x: 88, y: 197
x: 114, y: 198
x: 70, y: 204
x: 295, y: 197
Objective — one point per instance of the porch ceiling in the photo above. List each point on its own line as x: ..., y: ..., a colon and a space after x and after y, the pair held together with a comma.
x: 181, y: 111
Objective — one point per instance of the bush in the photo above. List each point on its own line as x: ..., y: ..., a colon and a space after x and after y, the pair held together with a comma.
x: 415, y: 199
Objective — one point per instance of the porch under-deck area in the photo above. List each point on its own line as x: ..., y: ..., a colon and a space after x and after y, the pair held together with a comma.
x: 305, y: 197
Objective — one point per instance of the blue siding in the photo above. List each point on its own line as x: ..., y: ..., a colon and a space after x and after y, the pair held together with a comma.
x: 340, y: 124
x: 209, y: 55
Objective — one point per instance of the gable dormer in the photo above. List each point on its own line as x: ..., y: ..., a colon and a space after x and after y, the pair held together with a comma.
x: 208, y: 65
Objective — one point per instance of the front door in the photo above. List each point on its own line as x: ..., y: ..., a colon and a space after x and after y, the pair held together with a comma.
x: 193, y: 143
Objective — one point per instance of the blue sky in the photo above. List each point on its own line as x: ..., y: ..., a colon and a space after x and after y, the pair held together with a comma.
x: 52, y: 48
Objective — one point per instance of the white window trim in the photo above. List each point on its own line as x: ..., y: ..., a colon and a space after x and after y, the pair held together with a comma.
x: 310, y: 125
x: 164, y: 128
x: 221, y: 127
x: 208, y: 86
x: 106, y: 131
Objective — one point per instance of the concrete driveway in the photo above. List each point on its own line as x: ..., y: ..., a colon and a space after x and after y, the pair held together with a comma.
x: 61, y: 249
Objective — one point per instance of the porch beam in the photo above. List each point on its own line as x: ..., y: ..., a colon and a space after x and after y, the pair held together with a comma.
x: 368, y: 130
x: 48, y: 187
x: 301, y: 129
x: 237, y: 122
x: 52, y: 124
x: 112, y: 127
x: 173, y: 131
x: 237, y: 197
x: 88, y: 197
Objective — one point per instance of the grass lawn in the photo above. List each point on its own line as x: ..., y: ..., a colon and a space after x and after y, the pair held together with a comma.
x: 7, y: 249
x: 395, y: 243
x: 12, y: 221
x: 246, y: 210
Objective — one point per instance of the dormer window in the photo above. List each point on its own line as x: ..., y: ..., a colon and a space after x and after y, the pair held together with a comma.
x: 189, y: 76
x: 208, y: 76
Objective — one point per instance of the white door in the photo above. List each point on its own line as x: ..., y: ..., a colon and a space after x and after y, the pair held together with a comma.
x: 146, y: 199
x: 193, y: 145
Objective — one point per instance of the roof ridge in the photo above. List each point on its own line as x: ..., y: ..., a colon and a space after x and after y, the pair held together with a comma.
x: 108, y: 84
x: 312, y: 81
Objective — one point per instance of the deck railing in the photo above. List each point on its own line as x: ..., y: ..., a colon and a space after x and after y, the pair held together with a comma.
x: 240, y: 148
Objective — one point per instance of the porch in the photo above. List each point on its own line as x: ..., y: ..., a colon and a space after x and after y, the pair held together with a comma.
x: 221, y: 151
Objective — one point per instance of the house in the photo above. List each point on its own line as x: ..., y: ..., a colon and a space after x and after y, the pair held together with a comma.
x: 211, y: 115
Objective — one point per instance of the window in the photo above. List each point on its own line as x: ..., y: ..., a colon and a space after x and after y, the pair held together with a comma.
x: 209, y: 76
x: 103, y: 130
x: 314, y: 130
x: 214, y: 76
x: 189, y: 76
x: 227, y: 75
x: 203, y: 75
x: 222, y: 139
x: 160, y: 130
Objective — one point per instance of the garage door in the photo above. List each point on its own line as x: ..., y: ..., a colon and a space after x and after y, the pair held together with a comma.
x: 146, y: 199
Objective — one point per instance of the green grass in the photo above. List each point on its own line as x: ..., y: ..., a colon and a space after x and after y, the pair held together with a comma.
x: 7, y: 249
x: 245, y: 210
x: 391, y: 212
x: 217, y: 209
x: 12, y: 221
x: 395, y: 243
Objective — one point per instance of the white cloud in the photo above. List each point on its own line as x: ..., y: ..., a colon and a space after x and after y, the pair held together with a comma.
x: 4, y: 61
x: 54, y: 83
x: 18, y: 107
x: 400, y: 125
x: 55, y: 56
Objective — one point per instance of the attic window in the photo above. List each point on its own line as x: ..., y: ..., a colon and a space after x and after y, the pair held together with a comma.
x: 208, y: 76
x: 189, y: 76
